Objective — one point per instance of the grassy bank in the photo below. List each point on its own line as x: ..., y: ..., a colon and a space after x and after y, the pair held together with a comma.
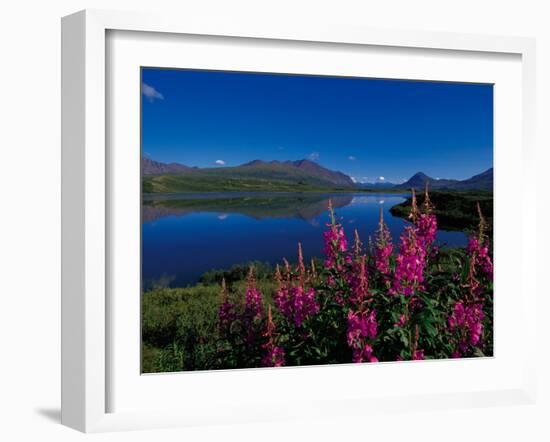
x: 179, y: 325
x: 197, y: 183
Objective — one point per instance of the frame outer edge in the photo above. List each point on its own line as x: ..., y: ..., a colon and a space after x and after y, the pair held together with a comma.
x: 95, y: 223
x: 73, y: 80
x: 83, y: 374
x: 530, y: 286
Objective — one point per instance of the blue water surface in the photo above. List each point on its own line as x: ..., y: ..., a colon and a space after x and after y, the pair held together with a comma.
x: 180, y: 243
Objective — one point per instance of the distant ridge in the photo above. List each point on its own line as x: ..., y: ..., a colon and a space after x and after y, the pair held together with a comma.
x: 482, y: 181
x: 152, y: 167
x: 419, y: 180
x: 256, y: 175
x: 307, y: 167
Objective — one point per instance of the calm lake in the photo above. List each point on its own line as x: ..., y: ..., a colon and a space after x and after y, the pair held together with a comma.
x: 184, y: 236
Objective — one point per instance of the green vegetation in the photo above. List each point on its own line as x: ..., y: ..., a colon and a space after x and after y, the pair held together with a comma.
x: 454, y: 210
x: 179, y: 325
x: 266, y: 177
x: 198, y: 183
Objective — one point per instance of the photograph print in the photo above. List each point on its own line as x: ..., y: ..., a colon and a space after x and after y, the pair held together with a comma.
x: 299, y: 220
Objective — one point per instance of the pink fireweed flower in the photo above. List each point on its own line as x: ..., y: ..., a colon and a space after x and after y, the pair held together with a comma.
x: 336, y: 245
x: 466, y: 322
x: 362, y: 327
x: 253, y: 297
x: 295, y: 302
x: 281, y: 293
x: 426, y: 222
x: 383, y: 247
x: 302, y: 304
x: 479, y: 253
x: 274, y: 355
x: 409, y: 264
x: 478, y: 247
x: 363, y: 354
x: 426, y: 228
x: 401, y: 322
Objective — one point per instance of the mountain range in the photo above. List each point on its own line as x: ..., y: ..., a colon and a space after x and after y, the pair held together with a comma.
x: 152, y: 167
x: 482, y: 181
x: 258, y: 175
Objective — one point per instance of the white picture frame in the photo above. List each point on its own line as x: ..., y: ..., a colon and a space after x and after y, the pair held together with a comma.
x: 85, y: 214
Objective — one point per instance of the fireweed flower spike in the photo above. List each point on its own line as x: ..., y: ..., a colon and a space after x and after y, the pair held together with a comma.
x: 226, y: 313
x: 359, y: 283
x: 482, y: 226
x: 293, y: 299
x: 301, y: 267
x: 361, y: 321
x: 383, y: 247
x: 312, y: 271
x: 357, y: 246
x: 336, y: 245
x: 426, y: 223
x: 253, y: 297
x: 478, y: 247
x: 409, y: 264
x: 466, y: 324
x: 274, y: 355
x: 361, y: 330
x: 428, y: 206
x: 414, y: 207
x: 280, y: 297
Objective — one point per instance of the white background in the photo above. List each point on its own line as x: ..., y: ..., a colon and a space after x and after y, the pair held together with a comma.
x: 30, y: 232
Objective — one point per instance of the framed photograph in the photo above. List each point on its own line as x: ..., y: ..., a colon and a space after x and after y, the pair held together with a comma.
x: 268, y: 222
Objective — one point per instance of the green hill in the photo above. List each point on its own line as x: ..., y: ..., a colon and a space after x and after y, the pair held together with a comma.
x: 287, y: 176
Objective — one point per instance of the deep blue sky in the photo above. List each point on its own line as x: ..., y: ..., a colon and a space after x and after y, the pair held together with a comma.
x: 366, y: 128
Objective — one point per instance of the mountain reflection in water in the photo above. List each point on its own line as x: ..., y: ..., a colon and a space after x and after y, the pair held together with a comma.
x: 186, y: 235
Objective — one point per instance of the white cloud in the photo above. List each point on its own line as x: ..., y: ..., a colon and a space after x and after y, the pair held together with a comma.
x: 351, y: 158
x: 313, y: 156
x: 381, y: 178
x: 220, y: 162
x: 151, y: 93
